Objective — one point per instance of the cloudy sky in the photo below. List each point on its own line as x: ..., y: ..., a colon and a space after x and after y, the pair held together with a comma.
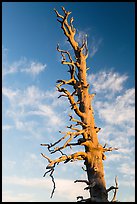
x: 32, y: 113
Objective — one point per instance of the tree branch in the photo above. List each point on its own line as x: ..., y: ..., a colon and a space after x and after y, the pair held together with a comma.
x: 83, y: 181
x: 78, y: 122
x: 90, y: 184
x: 116, y: 189
x: 65, y: 158
x: 64, y: 51
x: 58, y: 15
x: 51, y: 175
x: 71, y: 63
x: 69, y: 30
x: 71, y: 134
x: 69, y: 82
x: 109, y: 149
x: 72, y: 101
x: 49, y: 160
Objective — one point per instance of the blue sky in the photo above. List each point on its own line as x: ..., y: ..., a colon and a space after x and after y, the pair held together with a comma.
x: 32, y: 114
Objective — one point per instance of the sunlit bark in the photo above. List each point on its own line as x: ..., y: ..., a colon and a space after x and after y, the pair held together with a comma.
x: 93, y: 152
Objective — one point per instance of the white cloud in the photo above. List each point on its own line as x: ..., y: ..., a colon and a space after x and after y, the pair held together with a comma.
x: 9, y: 196
x: 115, y: 157
x: 114, y: 104
x: 34, y: 101
x: 104, y: 81
x: 54, y: 117
x: 65, y: 188
x: 32, y: 161
x: 24, y: 181
x: 14, y: 67
x: 94, y: 47
x: 127, y: 168
x: 80, y: 36
x: 34, y: 96
x: 35, y: 68
x: 119, y: 111
x: 22, y: 65
x: 9, y: 93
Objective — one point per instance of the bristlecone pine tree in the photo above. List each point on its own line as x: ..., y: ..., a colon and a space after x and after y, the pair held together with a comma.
x: 87, y: 133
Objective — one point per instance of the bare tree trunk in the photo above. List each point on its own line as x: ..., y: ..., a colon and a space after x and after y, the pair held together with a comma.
x: 93, y: 155
x: 94, y: 164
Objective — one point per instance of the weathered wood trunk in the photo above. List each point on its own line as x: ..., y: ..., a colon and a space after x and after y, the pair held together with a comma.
x: 81, y: 103
x: 94, y: 163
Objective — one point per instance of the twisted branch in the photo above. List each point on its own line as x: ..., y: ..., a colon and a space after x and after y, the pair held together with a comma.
x: 90, y: 184
x: 82, y: 181
x: 65, y: 158
x: 78, y: 122
x: 67, y: 143
x: 116, y: 189
x: 54, y: 184
x: 72, y: 101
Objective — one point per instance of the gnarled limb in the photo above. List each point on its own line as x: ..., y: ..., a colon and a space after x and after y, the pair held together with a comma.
x: 72, y: 101
x: 66, y: 52
x: 109, y: 149
x: 115, y: 192
x: 69, y: 30
x: 69, y: 134
x: 83, y: 181
x: 51, y: 175
x: 72, y: 135
x: 78, y: 122
x: 65, y: 158
x: 69, y: 82
x: 89, y: 184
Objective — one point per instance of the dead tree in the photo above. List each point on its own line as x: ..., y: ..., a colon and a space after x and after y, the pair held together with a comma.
x: 84, y: 128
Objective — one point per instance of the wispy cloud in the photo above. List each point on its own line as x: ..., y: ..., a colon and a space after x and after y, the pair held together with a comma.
x: 94, y: 46
x: 64, y: 188
x: 114, y: 104
x: 39, y: 103
x: 33, y: 160
x: 107, y: 81
x: 10, y: 196
x: 9, y: 93
x: 80, y: 36
x: 127, y: 168
x: 115, y: 157
x: 119, y: 111
x: 34, y: 68
x: 23, y: 65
